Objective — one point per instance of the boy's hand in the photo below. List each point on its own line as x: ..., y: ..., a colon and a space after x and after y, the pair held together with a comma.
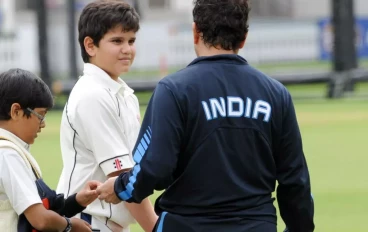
x: 88, y: 194
x: 79, y: 225
x: 106, y: 191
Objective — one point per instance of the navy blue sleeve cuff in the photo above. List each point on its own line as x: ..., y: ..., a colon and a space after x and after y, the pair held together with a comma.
x: 119, y: 187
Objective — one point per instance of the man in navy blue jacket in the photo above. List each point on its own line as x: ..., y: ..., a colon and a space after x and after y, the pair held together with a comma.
x: 217, y: 136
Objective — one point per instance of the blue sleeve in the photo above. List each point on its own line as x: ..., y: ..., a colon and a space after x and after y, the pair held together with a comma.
x: 294, y: 189
x: 157, y: 148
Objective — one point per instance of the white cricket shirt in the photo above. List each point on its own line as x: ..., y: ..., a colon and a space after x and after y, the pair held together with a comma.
x: 17, y: 181
x: 99, y: 128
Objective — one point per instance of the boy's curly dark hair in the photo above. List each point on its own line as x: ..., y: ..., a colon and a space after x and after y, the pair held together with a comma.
x: 222, y: 23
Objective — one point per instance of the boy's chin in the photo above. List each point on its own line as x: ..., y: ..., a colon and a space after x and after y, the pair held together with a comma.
x: 124, y: 70
x: 31, y: 141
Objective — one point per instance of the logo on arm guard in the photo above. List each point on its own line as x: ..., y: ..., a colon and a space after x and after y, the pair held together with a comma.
x: 117, y: 164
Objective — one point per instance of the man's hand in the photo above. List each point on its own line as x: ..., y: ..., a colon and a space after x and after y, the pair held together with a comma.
x: 106, y: 191
x: 79, y: 225
x: 88, y: 194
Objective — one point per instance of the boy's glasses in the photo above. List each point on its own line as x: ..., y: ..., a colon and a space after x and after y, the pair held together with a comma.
x: 39, y: 116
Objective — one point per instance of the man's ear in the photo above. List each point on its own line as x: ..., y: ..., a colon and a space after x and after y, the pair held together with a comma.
x: 243, y: 42
x: 196, y: 35
x: 89, y: 46
x: 16, y: 111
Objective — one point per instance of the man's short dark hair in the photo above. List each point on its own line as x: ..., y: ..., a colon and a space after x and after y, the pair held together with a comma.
x: 98, y: 17
x: 222, y: 23
x: 26, y: 89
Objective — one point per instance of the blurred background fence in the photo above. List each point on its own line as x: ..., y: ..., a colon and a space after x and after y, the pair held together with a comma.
x: 291, y: 40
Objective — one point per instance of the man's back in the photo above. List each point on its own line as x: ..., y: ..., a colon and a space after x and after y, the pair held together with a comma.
x: 233, y: 118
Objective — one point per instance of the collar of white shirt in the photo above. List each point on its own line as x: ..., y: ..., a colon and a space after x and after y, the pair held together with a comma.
x: 104, y: 79
x: 7, y: 134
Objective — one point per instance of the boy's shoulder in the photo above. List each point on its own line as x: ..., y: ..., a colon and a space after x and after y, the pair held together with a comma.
x: 8, y: 152
x: 86, y: 85
x: 87, y: 90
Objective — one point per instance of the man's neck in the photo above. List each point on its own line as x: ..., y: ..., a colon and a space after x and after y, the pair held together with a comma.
x: 212, y: 51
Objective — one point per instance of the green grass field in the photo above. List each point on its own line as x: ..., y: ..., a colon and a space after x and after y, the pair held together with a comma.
x: 335, y: 144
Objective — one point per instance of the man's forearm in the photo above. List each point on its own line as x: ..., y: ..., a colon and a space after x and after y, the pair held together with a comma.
x: 143, y: 213
x: 296, y: 208
x: 135, y: 185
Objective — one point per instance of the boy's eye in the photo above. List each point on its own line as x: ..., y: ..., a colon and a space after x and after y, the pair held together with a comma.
x: 117, y: 41
x: 131, y: 42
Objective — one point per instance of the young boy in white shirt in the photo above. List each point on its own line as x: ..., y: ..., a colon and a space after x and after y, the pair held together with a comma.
x: 101, y: 120
x: 24, y: 102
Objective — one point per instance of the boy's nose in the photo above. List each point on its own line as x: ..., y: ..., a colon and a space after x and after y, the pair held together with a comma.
x: 43, y: 124
x: 126, y: 49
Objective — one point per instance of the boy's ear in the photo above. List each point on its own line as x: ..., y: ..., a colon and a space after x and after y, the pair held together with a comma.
x: 16, y: 111
x: 89, y: 46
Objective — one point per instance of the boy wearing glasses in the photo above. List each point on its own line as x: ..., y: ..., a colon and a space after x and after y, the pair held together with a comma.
x: 42, y: 118
x: 101, y: 119
x: 22, y: 116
